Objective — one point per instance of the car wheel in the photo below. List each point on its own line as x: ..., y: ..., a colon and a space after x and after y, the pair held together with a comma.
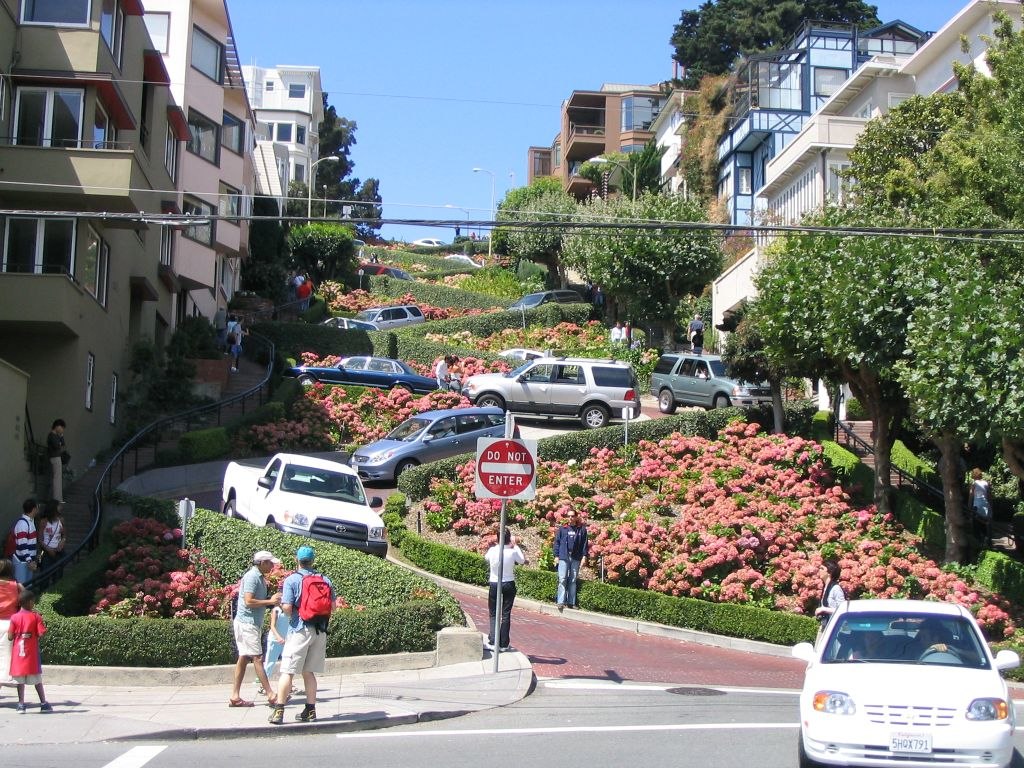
x: 594, y: 416
x: 720, y: 401
x: 231, y: 510
x: 306, y: 380
x: 803, y: 761
x: 404, y: 467
x: 490, y: 401
x: 666, y: 401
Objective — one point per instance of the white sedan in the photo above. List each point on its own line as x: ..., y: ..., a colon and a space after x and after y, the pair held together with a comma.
x: 463, y: 259
x: 428, y: 242
x: 904, y: 682
x: 519, y: 353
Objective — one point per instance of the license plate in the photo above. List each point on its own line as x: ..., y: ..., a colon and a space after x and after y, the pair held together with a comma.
x: 916, y: 743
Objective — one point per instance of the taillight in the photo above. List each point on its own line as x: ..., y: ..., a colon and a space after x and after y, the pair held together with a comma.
x: 630, y: 395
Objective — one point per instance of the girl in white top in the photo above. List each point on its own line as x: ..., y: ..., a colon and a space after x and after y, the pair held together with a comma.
x: 509, y: 555
x: 832, y: 593
x: 53, y: 538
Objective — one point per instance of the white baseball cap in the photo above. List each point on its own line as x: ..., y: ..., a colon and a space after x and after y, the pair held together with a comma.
x: 262, y: 555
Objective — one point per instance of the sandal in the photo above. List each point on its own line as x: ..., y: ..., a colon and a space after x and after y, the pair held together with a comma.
x: 239, y: 703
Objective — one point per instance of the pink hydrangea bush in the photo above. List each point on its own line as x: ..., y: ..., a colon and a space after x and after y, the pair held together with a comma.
x: 747, y: 518
x: 358, y: 300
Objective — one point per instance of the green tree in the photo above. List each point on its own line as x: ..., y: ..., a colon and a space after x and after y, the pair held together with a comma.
x: 745, y: 359
x: 325, y: 251
x: 543, y: 200
x: 633, y: 172
x: 646, y: 271
x: 265, y: 270
x: 707, y: 41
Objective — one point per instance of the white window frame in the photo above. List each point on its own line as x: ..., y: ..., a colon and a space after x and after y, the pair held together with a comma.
x: 90, y: 379
x: 233, y: 122
x: 201, y: 210
x: 109, y: 130
x: 826, y: 86
x: 167, y: 246
x: 113, y: 398
x: 171, y: 153
x: 230, y: 203
x: 291, y: 133
x: 301, y: 86
x: 80, y: 24
x: 116, y: 45
x: 744, y: 181
x: 300, y: 134
x: 37, y: 257
x: 99, y: 290
x: 269, y: 85
x: 48, y: 115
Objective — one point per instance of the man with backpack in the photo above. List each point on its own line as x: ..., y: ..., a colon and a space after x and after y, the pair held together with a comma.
x: 307, y: 600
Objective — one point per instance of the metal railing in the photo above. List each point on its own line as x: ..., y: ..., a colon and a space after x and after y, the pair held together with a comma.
x: 845, y: 434
x: 150, y: 435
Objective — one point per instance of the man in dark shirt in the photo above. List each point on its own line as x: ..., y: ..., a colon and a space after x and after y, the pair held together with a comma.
x: 56, y: 451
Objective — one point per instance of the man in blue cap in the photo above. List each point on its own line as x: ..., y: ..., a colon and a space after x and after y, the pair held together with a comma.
x: 307, y: 599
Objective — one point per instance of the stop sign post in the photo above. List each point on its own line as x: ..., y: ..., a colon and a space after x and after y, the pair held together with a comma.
x: 506, y: 468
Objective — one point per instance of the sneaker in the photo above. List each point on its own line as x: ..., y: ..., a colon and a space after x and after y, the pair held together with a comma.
x: 488, y: 645
x: 234, y: 370
x: 46, y: 707
x: 277, y: 716
x: 560, y: 607
x: 22, y: 708
x: 507, y: 649
x: 307, y: 715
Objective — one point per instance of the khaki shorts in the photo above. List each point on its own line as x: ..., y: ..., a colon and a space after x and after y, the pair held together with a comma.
x: 305, y: 650
x: 248, y: 638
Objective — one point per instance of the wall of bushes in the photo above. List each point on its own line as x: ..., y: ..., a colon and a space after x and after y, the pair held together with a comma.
x: 432, y: 293
x: 403, y: 611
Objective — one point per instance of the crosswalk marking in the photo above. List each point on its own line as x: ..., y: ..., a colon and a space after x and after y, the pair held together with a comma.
x: 136, y: 757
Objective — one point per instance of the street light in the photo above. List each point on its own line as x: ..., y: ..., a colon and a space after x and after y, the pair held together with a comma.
x: 602, y: 160
x: 311, y: 182
x: 490, y: 236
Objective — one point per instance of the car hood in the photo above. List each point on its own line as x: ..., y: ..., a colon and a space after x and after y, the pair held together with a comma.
x: 931, y: 685
x: 486, y: 378
x: 382, y: 446
x: 331, y: 509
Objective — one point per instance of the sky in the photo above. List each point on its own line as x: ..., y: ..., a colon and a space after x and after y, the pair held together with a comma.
x: 439, y: 87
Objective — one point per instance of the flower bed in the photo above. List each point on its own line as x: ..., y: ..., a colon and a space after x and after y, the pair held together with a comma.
x: 746, y: 518
x: 356, y: 301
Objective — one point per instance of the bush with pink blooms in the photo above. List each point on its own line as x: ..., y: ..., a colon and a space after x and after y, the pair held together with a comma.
x: 356, y: 301
x: 151, y: 576
x: 747, y: 518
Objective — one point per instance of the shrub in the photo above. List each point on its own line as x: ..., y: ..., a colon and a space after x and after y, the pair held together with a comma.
x: 161, y: 510
x: 822, y: 428
x: 292, y: 338
x: 919, y: 519
x: 1002, y: 574
x: 204, y: 445
x: 850, y: 471
x: 919, y: 469
x: 431, y: 293
x: 855, y: 411
x: 316, y: 313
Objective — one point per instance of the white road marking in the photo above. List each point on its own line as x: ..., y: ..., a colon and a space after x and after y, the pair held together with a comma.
x: 572, y: 729
x: 627, y: 687
x: 136, y: 757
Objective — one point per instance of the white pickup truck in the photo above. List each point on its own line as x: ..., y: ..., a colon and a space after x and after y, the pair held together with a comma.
x: 308, y: 496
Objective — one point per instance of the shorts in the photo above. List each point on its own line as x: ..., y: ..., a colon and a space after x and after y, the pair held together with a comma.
x: 28, y: 679
x: 305, y: 650
x: 248, y: 638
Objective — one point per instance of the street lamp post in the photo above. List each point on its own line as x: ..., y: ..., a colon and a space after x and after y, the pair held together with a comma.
x: 464, y: 210
x: 604, y: 160
x: 311, y: 182
x: 490, y: 236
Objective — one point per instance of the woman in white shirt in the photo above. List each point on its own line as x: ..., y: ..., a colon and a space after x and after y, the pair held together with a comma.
x: 53, y: 537
x: 510, y: 555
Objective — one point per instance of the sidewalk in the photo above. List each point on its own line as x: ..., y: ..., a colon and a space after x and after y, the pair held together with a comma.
x: 105, y: 710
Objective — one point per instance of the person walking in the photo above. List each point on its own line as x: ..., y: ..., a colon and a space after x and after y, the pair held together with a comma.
x: 253, y: 602
x: 275, y: 645
x: 53, y: 539
x: 26, y: 543
x: 570, y: 549
x: 24, y: 631
x: 307, y: 600
x: 57, y: 452
x: 234, y: 341
x: 617, y: 335
x: 9, y: 591
x: 508, y: 555
x: 832, y: 593
x: 980, y: 502
x: 443, y: 374
x: 696, y: 332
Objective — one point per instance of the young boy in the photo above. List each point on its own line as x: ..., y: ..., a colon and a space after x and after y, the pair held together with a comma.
x: 26, y: 666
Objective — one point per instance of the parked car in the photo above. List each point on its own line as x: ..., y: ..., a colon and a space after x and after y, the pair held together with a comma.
x: 380, y: 372
x: 689, y: 379
x: 531, y: 300
x: 591, y: 390
x: 904, y: 682
x: 384, y: 269
x: 520, y: 353
x: 463, y: 259
x: 349, y: 324
x: 306, y: 496
x: 428, y: 242
x: 392, y: 317
x: 427, y: 437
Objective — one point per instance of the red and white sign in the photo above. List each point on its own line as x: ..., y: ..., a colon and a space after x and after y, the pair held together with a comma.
x: 506, y: 469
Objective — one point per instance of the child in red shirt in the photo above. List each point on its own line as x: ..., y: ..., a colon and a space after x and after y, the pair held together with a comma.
x: 26, y: 665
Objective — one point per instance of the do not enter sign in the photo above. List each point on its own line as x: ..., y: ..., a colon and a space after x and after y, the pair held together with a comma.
x: 506, y: 469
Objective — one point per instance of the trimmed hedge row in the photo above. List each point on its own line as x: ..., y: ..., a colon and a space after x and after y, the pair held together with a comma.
x: 292, y: 338
x: 432, y: 293
x: 920, y: 519
x: 850, y: 471
x: 1003, y: 574
x: 415, y: 483
x: 919, y: 469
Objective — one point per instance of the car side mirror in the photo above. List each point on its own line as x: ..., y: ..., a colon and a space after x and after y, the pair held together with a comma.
x: 804, y: 652
x: 521, y: 377
x: 1007, y: 660
x: 266, y: 482
x: 376, y: 502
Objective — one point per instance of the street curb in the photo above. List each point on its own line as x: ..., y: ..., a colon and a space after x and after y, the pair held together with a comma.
x: 319, y: 727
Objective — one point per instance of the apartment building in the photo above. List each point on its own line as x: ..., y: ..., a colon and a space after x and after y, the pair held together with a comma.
x: 669, y: 129
x: 806, y: 171
x: 288, y: 104
x: 92, y: 136
x: 616, y: 118
x: 215, y: 173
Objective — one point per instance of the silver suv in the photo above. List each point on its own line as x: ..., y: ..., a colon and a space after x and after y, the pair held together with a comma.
x: 392, y: 317
x: 593, y: 391
x: 689, y: 379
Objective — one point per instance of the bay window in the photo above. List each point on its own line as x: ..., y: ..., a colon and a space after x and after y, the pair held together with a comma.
x: 48, y: 117
x: 39, y: 246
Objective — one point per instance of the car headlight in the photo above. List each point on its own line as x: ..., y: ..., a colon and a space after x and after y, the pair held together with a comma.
x: 296, y: 518
x: 988, y: 709
x: 740, y: 392
x: 379, y: 458
x: 376, y: 534
x: 834, y: 703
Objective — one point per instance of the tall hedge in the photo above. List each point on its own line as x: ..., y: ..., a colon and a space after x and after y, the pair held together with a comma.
x: 437, y: 295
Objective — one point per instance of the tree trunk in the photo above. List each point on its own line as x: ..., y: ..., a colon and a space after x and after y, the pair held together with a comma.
x: 777, y: 411
x: 957, y: 525
x: 1013, y: 453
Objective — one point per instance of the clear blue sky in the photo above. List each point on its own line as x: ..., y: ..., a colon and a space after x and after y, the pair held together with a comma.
x: 438, y: 87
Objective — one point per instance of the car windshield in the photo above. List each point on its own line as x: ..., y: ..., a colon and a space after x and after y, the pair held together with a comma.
x: 897, y: 638
x: 367, y: 314
x: 408, y: 430
x: 322, y: 483
x: 516, y: 371
x: 530, y: 300
x: 717, y: 368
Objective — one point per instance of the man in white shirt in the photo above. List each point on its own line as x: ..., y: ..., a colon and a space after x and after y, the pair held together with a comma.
x: 617, y: 334
x: 443, y: 374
